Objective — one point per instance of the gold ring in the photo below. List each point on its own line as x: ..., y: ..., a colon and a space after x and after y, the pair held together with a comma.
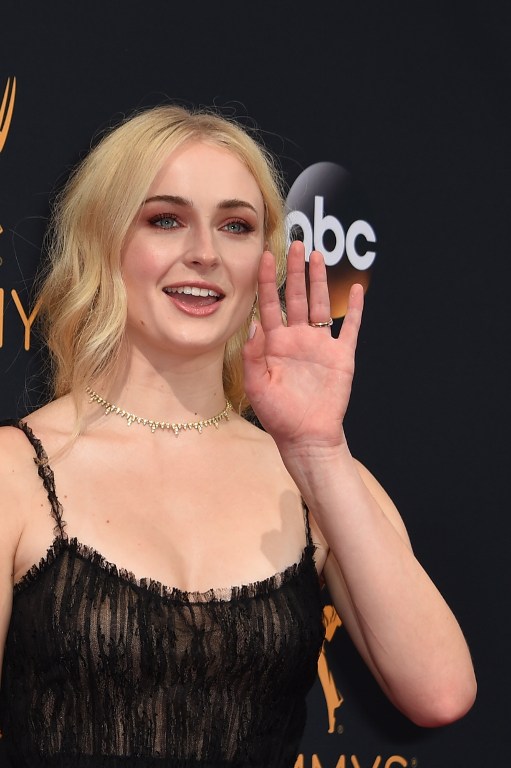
x: 328, y: 324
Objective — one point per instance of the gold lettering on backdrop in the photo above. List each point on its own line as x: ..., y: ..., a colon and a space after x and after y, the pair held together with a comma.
x: 333, y: 698
x: 26, y: 320
x: 354, y: 762
x: 6, y: 110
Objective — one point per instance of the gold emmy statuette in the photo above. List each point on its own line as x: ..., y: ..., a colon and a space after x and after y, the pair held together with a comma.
x: 333, y: 698
x: 6, y: 110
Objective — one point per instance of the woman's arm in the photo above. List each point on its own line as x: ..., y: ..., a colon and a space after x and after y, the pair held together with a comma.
x: 16, y: 487
x: 396, y: 617
x: 10, y: 531
x: 298, y: 379
x: 9, y: 536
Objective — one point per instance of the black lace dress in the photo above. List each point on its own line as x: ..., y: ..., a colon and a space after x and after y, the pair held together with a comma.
x: 102, y: 671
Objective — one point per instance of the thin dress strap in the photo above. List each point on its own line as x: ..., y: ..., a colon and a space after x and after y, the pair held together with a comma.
x: 46, y: 474
x: 308, y: 531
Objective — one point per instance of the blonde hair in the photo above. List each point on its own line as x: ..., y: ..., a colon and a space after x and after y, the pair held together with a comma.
x: 84, y: 308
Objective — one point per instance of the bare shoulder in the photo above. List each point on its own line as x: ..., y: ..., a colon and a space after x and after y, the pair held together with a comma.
x: 53, y: 423
x: 20, y: 493
x: 18, y: 471
x: 18, y: 474
x: 15, y: 454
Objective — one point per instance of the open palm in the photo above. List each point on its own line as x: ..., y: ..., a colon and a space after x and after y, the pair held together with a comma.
x: 297, y: 376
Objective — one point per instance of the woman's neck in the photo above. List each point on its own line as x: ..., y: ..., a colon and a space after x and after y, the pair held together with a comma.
x: 179, y: 391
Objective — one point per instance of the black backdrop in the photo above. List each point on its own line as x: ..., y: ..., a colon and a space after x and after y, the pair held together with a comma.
x: 413, y: 99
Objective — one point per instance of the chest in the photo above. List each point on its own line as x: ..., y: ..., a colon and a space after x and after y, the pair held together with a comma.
x: 190, y: 520
x: 99, y: 621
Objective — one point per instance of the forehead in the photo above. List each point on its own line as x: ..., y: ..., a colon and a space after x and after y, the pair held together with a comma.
x: 200, y: 169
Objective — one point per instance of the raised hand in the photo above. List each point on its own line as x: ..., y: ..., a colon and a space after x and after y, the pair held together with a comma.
x: 297, y: 376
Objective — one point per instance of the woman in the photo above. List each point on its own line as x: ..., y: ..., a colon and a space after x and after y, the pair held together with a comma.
x: 164, y: 323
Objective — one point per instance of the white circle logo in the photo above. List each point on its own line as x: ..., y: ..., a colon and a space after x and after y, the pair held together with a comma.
x: 328, y: 214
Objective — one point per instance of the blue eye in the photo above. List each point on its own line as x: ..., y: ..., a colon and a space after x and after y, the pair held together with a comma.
x: 238, y: 227
x: 164, y: 221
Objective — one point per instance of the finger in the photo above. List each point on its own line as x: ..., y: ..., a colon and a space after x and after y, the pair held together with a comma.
x: 353, y: 318
x: 270, y: 310
x: 297, y: 309
x: 319, y: 298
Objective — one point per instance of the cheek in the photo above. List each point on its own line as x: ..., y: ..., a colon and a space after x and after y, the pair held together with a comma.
x: 139, y: 262
x: 251, y: 265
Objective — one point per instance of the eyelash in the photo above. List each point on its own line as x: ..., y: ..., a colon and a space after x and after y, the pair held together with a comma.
x: 170, y: 217
x: 161, y: 217
x: 246, y: 227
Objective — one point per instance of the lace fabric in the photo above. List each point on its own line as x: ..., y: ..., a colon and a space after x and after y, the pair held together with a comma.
x: 102, y: 670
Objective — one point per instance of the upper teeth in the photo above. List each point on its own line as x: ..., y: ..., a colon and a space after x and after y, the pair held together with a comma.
x: 193, y: 291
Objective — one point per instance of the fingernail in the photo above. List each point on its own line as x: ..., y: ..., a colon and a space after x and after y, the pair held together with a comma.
x: 251, y: 330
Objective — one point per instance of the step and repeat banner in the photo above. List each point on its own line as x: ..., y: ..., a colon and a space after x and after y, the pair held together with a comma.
x: 392, y: 126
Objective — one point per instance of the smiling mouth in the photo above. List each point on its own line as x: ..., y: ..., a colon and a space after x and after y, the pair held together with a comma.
x: 192, y: 295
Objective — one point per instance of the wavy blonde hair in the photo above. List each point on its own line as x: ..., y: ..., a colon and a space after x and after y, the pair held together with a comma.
x: 84, y: 303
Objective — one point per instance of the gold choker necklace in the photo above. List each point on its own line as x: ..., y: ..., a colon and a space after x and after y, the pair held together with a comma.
x: 154, y: 425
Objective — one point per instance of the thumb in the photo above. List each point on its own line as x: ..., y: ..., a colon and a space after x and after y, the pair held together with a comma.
x: 255, y: 368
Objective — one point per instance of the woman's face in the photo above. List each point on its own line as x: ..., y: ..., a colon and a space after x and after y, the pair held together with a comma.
x: 190, y: 260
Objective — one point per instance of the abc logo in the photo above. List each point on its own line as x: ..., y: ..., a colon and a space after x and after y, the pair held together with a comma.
x: 329, y: 215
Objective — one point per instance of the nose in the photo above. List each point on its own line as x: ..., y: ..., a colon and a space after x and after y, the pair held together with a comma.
x: 203, y: 250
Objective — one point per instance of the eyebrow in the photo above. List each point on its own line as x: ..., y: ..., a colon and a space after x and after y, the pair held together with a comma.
x: 236, y: 203
x: 222, y: 205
